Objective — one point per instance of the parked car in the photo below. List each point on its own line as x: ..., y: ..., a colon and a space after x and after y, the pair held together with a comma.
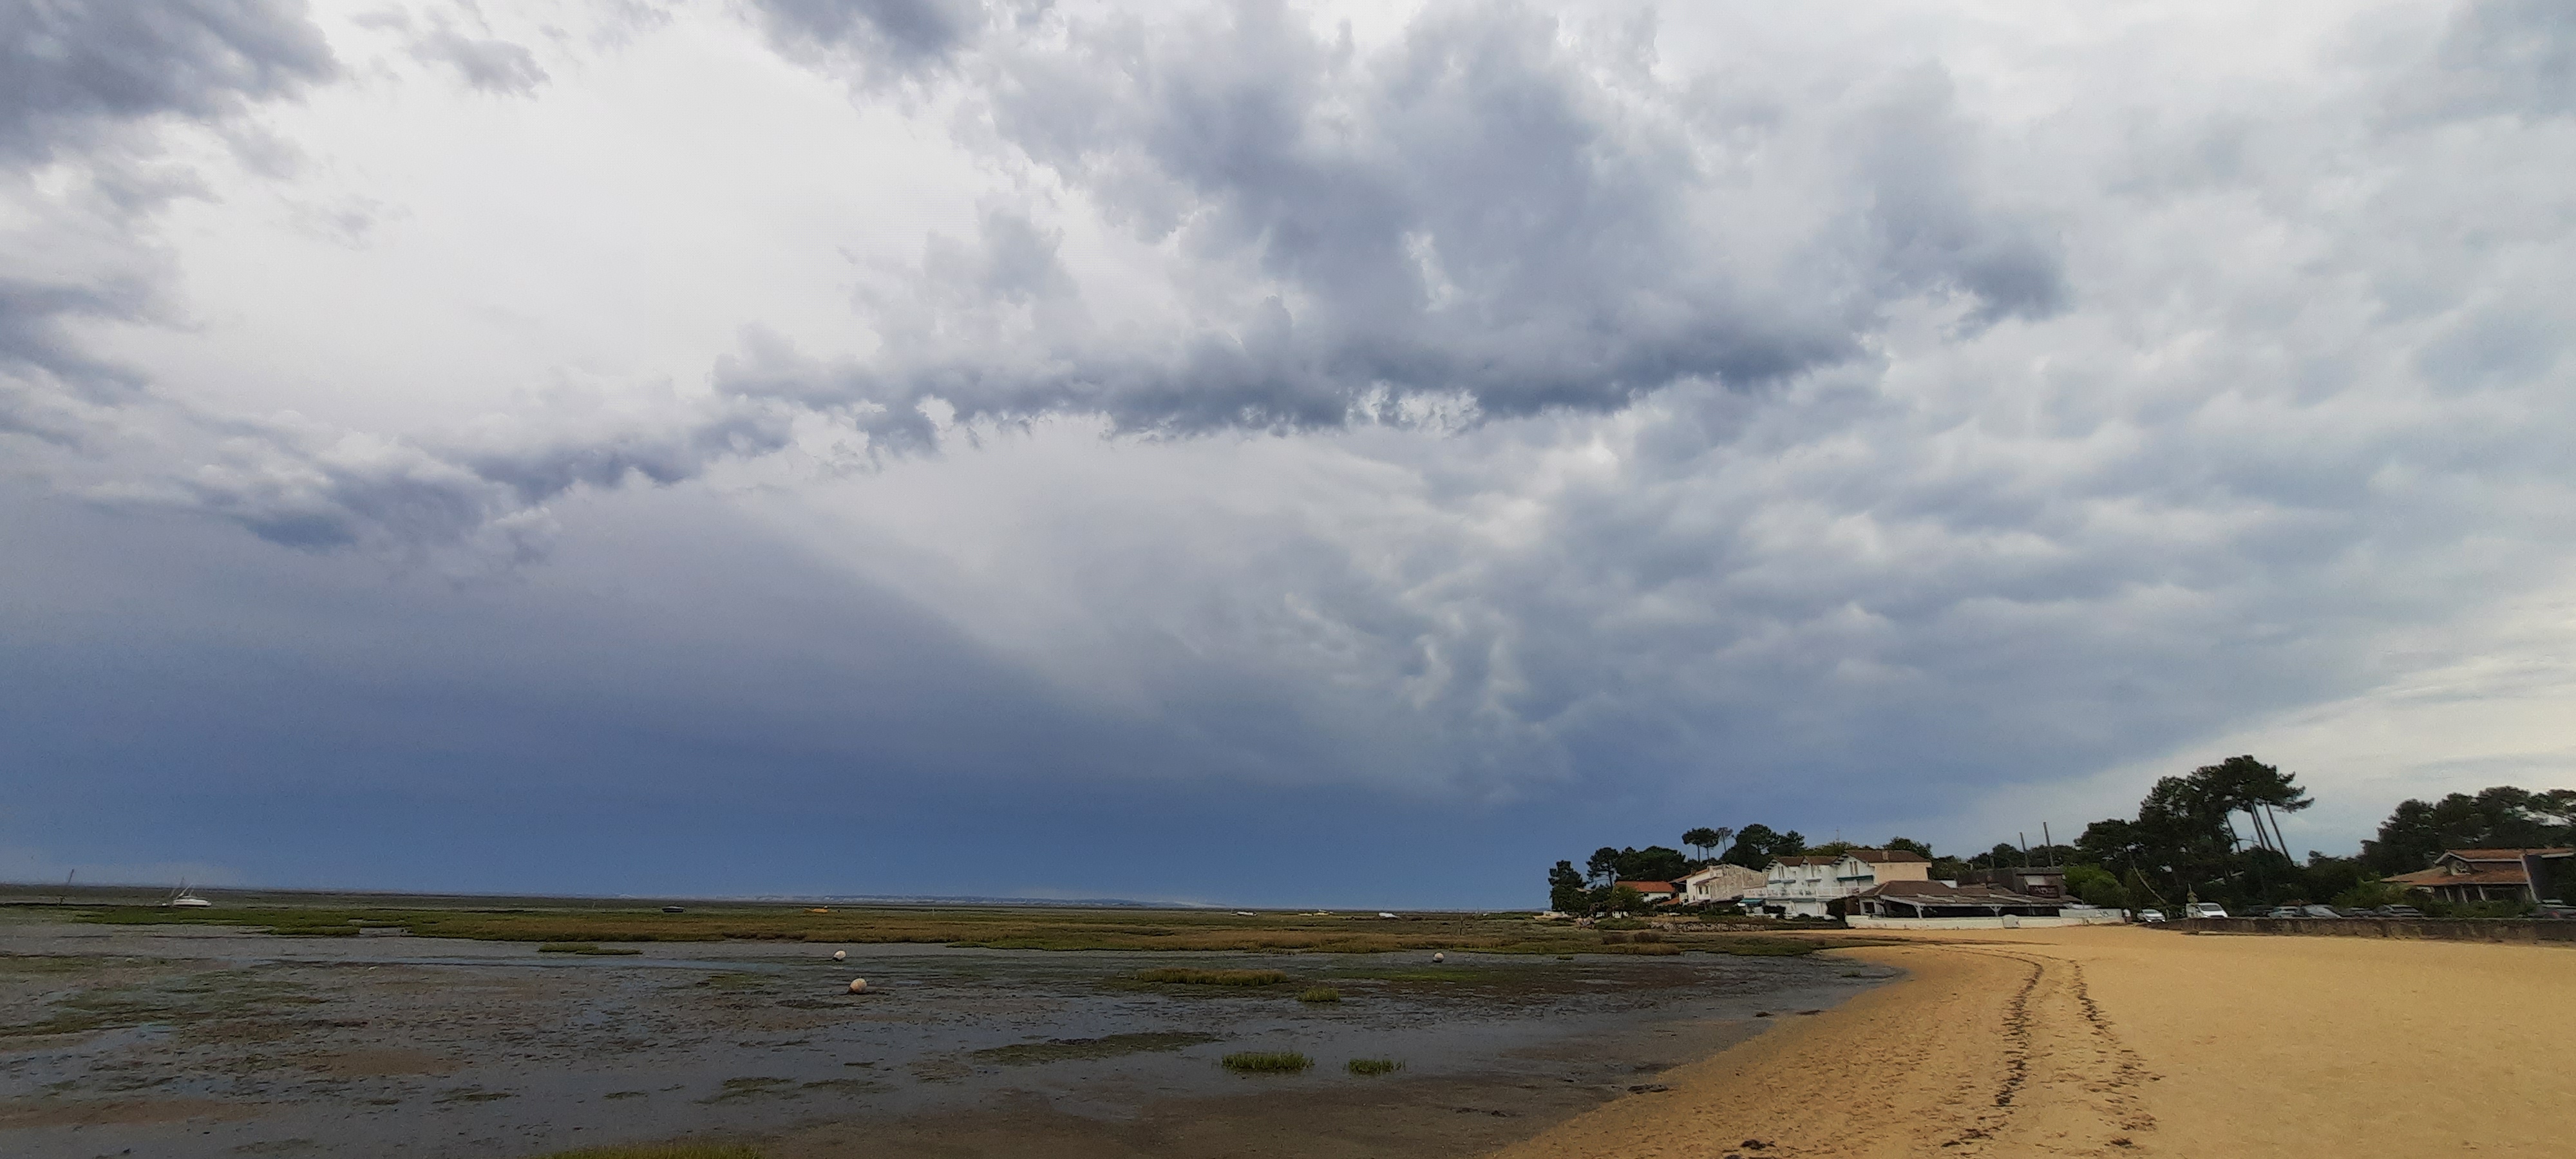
x: 2151, y: 915
x: 2321, y: 911
x: 2287, y: 911
x: 2554, y: 908
x: 2204, y: 909
x: 2397, y: 911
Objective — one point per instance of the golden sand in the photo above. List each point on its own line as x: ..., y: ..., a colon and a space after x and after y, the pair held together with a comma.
x: 2131, y: 1041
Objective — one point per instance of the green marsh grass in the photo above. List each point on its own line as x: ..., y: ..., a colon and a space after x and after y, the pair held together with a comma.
x: 750, y: 1087
x: 1319, y: 994
x: 1267, y: 1062
x: 1373, y: 1066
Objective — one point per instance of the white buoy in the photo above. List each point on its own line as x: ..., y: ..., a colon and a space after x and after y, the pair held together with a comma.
x: 858, y: 985
x: 1439, y: 957
x: 840, y: 955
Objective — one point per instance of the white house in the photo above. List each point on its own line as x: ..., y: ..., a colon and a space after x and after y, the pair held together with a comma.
x: 1806, y: 886
x: 1721, y: 882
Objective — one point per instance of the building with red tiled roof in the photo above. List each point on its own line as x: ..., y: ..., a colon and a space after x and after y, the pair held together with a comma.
x: 1658, y: 892
x: 2470, y: 875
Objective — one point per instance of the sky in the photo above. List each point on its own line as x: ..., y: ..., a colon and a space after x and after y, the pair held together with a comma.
x: 1253, y: 453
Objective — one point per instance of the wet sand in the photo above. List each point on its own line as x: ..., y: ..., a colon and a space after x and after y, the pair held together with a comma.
x: 208, y: 1041
x: 2133, y: 1041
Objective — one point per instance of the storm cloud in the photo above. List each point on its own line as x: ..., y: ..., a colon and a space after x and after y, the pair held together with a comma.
x: 1519, y: 419
x: 1479, y: 212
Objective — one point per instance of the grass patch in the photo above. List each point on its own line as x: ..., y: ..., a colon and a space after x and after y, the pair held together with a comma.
x: 1373, y: 1066
x: 659, y: 1151
x: 1110, y: 1046
x: 845, y: 1086
x: 1319, y: 994
x: 1267, y: 1062
x: 583, y: 948
x: 183, y: 1002
x: 1183, y: 976
x: 750, y: 1086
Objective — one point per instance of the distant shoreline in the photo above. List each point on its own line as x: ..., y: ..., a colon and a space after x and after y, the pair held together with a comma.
x: 148, y: 893
x: 133, y: 893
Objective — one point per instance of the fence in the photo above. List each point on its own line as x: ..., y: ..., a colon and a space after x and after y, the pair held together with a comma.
x: 2522, y: 931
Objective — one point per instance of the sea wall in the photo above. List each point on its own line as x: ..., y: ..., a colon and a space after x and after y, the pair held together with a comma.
x: 2521, y: 931
x: 2010, y: 922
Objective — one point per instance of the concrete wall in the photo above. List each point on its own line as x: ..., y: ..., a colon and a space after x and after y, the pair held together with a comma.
x: 2007, y: 922
x: 2519, y: 930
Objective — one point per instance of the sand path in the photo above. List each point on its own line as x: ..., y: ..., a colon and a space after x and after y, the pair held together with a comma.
x: 2122, y: 1041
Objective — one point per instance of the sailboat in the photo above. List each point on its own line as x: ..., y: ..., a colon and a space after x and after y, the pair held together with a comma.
x: 183, y: 899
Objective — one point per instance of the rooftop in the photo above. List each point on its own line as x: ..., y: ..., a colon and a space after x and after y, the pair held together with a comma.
x: 1946, y: 892
x: 2440, y: 876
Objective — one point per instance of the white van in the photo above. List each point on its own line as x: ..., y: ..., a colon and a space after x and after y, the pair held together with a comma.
x: 2204, y: 909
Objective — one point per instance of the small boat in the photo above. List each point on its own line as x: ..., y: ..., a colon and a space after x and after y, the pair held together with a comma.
x: 183, y: 899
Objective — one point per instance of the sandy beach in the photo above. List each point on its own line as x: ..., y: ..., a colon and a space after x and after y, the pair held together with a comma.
x: 2129, y: 1041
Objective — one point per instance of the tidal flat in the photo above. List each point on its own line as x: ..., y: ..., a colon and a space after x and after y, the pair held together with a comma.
x: 188, y: 1039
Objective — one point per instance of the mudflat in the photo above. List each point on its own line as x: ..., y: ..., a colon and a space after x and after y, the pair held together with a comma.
x: 193, y: 1040
x: 2137, y: 1041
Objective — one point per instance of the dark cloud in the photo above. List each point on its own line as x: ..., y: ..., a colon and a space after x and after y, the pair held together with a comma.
x: 71, y: 76
x: 2515, y: 57
x: 69, y: 69
x: 1470, y: 213
x: 317, y: 489
x: 491, y: 65
x: 874, y: 37
x: 34, y: 347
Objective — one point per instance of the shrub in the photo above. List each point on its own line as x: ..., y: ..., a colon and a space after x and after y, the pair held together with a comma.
x: 2096, y: 886
x: 1374, y: 1066
x: 1319, y: 994
x: 1267, y: 1062
x: 2371, y: 893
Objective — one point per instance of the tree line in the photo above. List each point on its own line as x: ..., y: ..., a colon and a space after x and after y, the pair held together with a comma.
x: 2213, y: 834
x: 1595, y: 887
x: 2186, y: 843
